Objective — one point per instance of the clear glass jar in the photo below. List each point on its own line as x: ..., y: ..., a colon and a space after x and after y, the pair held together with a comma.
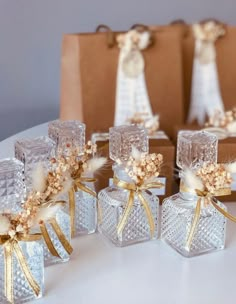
x: 63, y: 221
x: 85, y: 211
x: 112, y: 202
x: 12, y: 187
x: 177, y: 217
x: 194, y: 148
x: 33, y: 253
x: 33, y: 152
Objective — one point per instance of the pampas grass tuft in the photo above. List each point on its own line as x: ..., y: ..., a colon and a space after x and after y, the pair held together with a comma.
x: 39, y: 178
x: 136, y: 154
x: 95, y: 164
x: 5, y: 224
x: 46, y: 213
x: 231, y: 127
x: 191, y: 180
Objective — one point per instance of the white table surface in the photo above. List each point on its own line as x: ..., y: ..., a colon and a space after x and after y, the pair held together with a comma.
x: 99, y: 273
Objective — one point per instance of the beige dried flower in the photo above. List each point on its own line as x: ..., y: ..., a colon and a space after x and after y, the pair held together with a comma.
x: 214, y: 177
x: 146, y: 167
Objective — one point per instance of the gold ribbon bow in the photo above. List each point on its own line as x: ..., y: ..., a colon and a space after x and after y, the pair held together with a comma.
x: 57, y: 229
x: 78, y: 185
x: 11, y: 247
x: 133, y: 188
x: 208, y: 198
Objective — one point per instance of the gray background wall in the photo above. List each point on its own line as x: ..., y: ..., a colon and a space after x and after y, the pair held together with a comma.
x: 30, y: 41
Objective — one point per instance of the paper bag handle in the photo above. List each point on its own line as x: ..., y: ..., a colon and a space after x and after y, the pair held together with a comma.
x: 111, y: 39
x: 142, y: 28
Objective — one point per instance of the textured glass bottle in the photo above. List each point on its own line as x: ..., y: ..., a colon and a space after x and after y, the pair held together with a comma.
x: 33, y: 253
x: 12, y: 187
x: 112, y: 200
x: 72, y: 132
x: 63, y: 220
x: 193, y: 149
x: 33, y: 152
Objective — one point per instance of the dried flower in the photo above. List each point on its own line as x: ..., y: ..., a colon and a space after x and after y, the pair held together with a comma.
x: 224, y: 120
x: 144, y: 120
x: 210, y: 178
x: 144, y: 167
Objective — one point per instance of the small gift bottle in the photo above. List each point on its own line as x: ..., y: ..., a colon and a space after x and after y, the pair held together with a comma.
x: 50, y: 219
x: 56, y: 235
x: 127, y: 210
x: 33, y: 152
x: 21, y: 265
x: 12, y: 188
x: 191, y: 223
x: 70, y: 135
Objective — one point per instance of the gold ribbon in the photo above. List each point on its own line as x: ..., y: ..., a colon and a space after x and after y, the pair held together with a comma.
x: 11, y: 247
x: 78, y: 185
x: 57, y: 229
x: 207, y: 198
x: 136, y: 189
x: 61, y: 237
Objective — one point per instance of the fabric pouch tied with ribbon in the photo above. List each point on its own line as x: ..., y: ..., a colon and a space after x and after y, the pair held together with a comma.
x: 206, y: 95
x: 21, y: 268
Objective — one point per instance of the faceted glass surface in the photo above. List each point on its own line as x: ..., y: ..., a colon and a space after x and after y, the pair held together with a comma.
x: 111, y: 206
x: 33, y: 152
x: 63, y: 221
x: 12, y: 187
x: 85, y: 211
x: 177, y: 216
x: 196, y: 147
x: 67, y: 132
x: 123, y: 138
x: 33, y: 252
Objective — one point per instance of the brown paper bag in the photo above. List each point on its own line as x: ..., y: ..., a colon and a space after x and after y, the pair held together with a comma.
x: 88, y: 78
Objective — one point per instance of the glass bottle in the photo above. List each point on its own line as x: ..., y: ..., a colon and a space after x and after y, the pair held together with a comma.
x: 72, y: 132
x: 12, y: 187
x: 22, y: 292
x: 33, y: 152
x: 112, y: 200
x: 193, y: 149
x: 63, y: 220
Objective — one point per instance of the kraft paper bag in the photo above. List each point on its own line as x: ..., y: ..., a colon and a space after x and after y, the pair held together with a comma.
x: 89, y: 73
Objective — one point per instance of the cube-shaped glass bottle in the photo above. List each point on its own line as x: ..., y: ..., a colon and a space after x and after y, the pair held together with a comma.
x: 22, y: 292
x: 72, y: 133
x: 193, y: 149
x: 12, y: 187
x: 33, y: 152
x: 63, y: 221
x: 112, y: 201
